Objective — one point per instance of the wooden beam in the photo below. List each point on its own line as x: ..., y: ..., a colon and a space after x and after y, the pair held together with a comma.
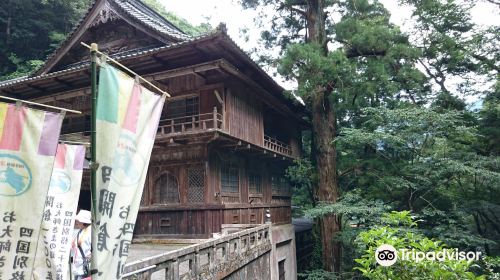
x: 40, y: 89
x: 188, y: 70
x: 66, y: 83
x: 63, y: 95
x: 233, y: 145
x: 7, y: 92
x: 160, y: 60
x: 274, y: 102
x: 207, y: 54
x: 201, y: 76
x: 218, y: 97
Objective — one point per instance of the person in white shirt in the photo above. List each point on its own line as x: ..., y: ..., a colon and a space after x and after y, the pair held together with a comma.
x: 81, y: 247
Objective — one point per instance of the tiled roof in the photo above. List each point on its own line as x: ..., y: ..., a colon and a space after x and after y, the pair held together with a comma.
x: 147, y: 16
x: 135, y: 9
x: 118, y: 56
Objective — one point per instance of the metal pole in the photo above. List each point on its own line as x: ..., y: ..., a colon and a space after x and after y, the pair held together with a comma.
x: 94, y: 165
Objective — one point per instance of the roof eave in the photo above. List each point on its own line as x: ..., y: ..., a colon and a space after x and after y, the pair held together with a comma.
x: 87, y: 21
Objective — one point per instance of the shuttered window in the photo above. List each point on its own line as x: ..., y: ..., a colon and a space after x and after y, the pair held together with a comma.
x: 181, y: 108
x: 230, y: 181
x: 166, y: 189
x: 280, y: 186
x: 255, y: 183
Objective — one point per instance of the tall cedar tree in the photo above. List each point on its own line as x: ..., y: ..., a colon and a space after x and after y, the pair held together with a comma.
x: 345, y: 55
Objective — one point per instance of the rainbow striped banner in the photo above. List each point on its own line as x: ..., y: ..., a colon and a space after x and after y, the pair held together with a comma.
x: 28, y: 143
x: 127, y: 120
x: 54, y: 244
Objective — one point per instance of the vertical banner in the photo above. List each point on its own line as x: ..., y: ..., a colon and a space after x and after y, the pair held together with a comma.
x: 54, y: 243
x: 127, y: 121
x: 28, y: 144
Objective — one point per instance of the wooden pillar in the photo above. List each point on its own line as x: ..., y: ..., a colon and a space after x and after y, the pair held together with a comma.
x: 214, y: 117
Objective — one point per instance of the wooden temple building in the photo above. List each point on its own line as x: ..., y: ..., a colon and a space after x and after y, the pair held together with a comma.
x: 225, y: 138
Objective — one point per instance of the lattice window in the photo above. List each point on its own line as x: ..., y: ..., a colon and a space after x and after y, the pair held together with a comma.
x: 255, y: 183
x: 280, y: 186
x: 167, y: 189
x: 230, y: 179
x: 196, y: 184
x: 275, y: 184
x: 181, y: 108
x: 284, y: 186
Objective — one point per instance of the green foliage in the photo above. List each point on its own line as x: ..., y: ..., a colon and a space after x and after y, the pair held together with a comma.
x: 179, y: 22
x: 357, y: 211
x: 47, y: 23
x: 443, y: 32
x: 27, y: 21
x: 423, y: 160
x: 489, y: 266
x: 490, y: 122
x: 23, y: 67
x: 302, y: 176
x: 318, y: 274
x: 406, y: 140
x: 397, y: 230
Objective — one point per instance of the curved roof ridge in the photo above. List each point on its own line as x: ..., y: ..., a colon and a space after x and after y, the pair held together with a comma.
x: 149, y: 17
x: 133, y: 8
x: 157, y: 16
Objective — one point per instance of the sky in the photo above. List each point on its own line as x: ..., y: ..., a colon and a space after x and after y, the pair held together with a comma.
x: 230, y: 12
x: 236, y: 19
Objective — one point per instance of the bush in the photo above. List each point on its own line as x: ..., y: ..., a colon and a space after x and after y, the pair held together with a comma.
x: 398, y: 230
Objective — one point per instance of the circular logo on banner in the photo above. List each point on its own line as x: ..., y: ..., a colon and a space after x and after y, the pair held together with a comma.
x: 128, y: 163
x: 60, y: 182
x: 15, y: 175
x: 386, y: 255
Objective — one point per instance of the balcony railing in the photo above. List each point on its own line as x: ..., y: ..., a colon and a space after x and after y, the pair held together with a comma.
x: 197, y: 122
x: 212, y: 259
x: 276, y: 145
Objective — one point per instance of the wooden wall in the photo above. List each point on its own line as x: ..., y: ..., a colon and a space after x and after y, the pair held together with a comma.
x: 186, y: 219
x: 188, y: 223
x: 181, y: 84
x: 244, y: 116
x: 247, y: 207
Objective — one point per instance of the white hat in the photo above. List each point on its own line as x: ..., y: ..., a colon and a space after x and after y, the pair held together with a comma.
x: 84, y: 216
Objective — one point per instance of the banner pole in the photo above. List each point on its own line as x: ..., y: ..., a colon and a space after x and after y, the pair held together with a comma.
x: 94, y: 164
x: 127, y: 69
x: 40, y: 104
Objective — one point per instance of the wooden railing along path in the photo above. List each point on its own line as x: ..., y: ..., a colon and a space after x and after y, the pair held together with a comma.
x: 212, y: 259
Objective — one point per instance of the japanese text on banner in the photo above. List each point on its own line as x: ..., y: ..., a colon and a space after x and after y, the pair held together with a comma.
x: 28, y: 144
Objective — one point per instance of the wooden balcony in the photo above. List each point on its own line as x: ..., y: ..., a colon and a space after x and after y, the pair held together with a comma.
x: 199, y: 122
x: 277, y: 146
x: 181, y: 130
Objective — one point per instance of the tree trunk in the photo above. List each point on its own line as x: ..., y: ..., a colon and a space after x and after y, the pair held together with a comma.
x: 324, y: 131
x: 323, y: 126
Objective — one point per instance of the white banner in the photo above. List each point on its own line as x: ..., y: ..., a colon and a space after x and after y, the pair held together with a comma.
x: 127, y: 120
x: 52, y: 256
x: 28, y: 144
